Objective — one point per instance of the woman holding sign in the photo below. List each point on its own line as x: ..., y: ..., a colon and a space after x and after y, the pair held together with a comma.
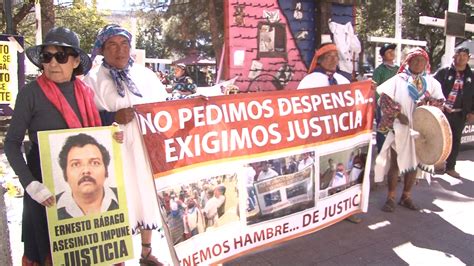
x: 55, y: 100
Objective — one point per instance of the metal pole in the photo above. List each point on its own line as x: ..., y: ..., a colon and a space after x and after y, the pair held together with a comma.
x: 7, y: 7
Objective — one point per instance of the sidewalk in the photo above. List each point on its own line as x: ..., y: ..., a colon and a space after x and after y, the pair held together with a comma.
x: 441, y: 233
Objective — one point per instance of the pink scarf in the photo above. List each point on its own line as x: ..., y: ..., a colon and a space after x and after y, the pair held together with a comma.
x: 85, y: 102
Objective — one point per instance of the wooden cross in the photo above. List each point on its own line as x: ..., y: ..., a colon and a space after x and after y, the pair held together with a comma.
x: 450, y: 40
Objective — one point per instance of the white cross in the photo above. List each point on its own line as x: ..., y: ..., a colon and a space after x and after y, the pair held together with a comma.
x: 398, y: 42
x: 398, y: 35
x: 450, y: 40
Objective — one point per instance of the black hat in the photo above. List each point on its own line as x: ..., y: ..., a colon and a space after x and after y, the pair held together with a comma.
x: 181, y: 65
x: 64, y: 37
x: 461, y: 49
x: 386, y: 47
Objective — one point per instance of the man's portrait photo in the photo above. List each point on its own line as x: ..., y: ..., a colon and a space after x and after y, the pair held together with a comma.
x: 84, y: 165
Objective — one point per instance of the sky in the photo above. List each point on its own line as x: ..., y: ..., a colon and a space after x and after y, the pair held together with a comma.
x: 119, y: 5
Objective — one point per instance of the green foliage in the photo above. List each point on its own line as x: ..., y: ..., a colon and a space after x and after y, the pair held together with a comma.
x: 26, y: 21
x: 85, y: 21
x: 149, y: 35
x: 179, y: 28
x: 377, y: 18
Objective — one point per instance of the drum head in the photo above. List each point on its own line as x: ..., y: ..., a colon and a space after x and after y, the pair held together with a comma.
x: 435, y: 140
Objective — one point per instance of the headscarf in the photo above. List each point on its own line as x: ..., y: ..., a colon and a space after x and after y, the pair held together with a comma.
x: 411, y: 54
x: 106, y: 33
x: 417, y: 85
x: 118, y: 75
x: 326, y: 48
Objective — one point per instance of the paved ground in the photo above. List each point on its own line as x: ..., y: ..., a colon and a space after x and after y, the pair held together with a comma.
x: 441, y: 233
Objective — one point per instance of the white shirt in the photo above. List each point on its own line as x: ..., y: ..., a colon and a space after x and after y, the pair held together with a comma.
x: 318, y: 79
x: 67, y: 201
x: 267, y: 175
x: 249, y: 174
x: 305, y: 163
x: 339, y: 179
x: 212, y: 205
x: 347, y: 43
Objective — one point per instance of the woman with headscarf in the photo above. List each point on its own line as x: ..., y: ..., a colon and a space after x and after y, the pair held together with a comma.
x: 119, y: 83
x: 399, y: 97
x: 55, y: 100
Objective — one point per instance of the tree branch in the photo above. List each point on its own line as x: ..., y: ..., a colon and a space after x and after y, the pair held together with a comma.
x: 24, y: 10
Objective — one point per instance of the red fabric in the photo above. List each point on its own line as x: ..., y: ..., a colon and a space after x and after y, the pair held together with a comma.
x: 85, y: 102
x: 325, y: 49
x: 412, y: 53
x: 26, y: 262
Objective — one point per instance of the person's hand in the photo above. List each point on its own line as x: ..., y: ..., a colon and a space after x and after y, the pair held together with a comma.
x: 124, y: 116
x: 470, y: 117
x: 40, y: 193
x: 402, y: 118
x: 49, y: 202
x: 373, y: 85
x: 118, y: 136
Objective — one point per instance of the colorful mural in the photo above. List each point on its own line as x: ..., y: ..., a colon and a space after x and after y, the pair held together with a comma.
x: 269, y: 44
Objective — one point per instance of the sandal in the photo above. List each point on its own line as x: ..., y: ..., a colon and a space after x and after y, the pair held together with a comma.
x: 408, y: 203
x: 389, y: 205
x: 149, y: 260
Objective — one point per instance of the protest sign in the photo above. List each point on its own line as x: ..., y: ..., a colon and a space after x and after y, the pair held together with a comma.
x: 239, y: 172
x: 8, y: 73
x: 89, y: 223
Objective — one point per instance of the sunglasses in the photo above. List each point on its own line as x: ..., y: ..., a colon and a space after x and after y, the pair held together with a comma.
x: 61, y: 57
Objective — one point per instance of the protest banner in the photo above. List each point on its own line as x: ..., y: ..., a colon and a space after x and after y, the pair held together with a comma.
x: 89, y: 223
x: 239, y: 172
x: 467, y: 136
x: 8, y: 73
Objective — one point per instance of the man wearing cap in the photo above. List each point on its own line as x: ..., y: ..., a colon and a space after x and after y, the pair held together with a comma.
x: 388, y: 68
x: 382, y: 73
x: 456, y: 82
x: 399, y: 96
x: 120, y: 83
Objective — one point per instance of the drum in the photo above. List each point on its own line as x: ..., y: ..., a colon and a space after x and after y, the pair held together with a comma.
x: 435, y: 140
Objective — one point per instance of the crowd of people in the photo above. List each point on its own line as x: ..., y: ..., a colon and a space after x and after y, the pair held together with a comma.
x: 339, y: 176
x: 192, y: 209
x: 59, y: 99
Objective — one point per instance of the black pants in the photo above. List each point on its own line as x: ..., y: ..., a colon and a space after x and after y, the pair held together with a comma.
x: 456, y: 122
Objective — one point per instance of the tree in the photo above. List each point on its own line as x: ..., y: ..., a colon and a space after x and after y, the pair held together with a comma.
x: 48, y: 16
x: 85, y: 21
x: 191, y: 25
x: 20, y: 12
x: 434, y: 36
x: 149, y: 35
x: 24, y: 19
x: 377, y: 18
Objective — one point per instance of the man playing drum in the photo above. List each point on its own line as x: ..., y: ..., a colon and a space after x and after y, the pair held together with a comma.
x: 456, y: 82
x: 400, y: 96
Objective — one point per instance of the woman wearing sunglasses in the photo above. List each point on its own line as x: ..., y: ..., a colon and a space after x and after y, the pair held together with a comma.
x: 55, y: 100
